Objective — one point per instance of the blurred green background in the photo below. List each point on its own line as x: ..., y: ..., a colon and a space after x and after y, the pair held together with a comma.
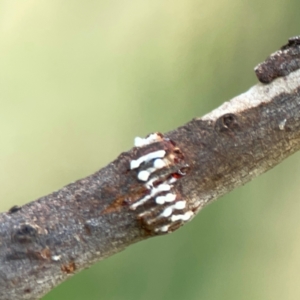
x: 80, y: 79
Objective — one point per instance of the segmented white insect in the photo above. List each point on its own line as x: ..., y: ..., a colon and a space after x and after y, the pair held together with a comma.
x: 146, y: 158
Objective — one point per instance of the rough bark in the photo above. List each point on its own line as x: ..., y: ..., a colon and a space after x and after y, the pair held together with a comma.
x: 155, y: 187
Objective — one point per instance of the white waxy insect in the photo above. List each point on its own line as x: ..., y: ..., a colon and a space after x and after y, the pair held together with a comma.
x: 152, y: 155
x: 164, y: 228
x: 162, y: 188
x: 166, y: 198
x: 160, y: 199
x: 154, y: 191
x: 180, y: 205
x: 167, y: 212
x: 160, y: 215
x: 141, y: 202
x: 140, y: 142
x: 184, y: 217
x: 153, y: 137
x: 172, y: 180
x: 159, y: 163
x: 143, y: 175
x: 170, y: 197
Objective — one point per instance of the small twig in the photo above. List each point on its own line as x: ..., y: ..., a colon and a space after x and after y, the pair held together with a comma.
x: 155, y: 187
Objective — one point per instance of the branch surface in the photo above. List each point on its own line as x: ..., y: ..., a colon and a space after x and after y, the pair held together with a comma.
x: 154, y: 188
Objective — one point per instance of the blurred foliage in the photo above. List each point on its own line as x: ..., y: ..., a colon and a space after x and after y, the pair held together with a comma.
x: 80, y: 79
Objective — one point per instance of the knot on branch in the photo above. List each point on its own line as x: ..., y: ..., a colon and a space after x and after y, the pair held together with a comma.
x: 281, y: 63
x: 227, y: 123
x: 26, y: 233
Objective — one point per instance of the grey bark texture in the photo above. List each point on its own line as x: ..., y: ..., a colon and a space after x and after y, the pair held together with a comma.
x: 155, y: 187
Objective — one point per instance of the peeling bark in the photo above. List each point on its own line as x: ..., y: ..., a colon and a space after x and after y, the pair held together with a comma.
x: 155, y: 187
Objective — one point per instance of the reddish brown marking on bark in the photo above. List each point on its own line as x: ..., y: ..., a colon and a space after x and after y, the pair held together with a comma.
x: 87, y: 229
x: 45, y: 253
x: 175, y: 226
x: 176, y: 175
x: 125, y: 200
x: 69, y: 268
x: 14, y: 281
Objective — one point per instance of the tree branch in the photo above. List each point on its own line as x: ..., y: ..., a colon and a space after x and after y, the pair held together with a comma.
x: 154, y: 188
